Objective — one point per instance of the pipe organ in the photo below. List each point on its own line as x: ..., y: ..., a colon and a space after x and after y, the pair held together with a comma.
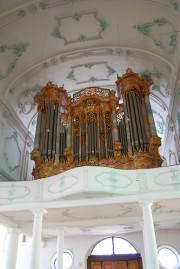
x: 95, y: 127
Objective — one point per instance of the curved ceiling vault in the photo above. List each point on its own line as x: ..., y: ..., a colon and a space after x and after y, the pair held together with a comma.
x: 80, y: 43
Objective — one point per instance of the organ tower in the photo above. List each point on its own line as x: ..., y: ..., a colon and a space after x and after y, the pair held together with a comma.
x: 95, y: 127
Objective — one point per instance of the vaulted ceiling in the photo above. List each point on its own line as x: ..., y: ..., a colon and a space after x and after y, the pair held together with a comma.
x: 81, y: 43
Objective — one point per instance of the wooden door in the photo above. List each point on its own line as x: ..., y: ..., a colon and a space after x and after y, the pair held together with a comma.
x: 133, y: 265
x: 120, y: 265
x: 108, y: 265
x: 96, y: 265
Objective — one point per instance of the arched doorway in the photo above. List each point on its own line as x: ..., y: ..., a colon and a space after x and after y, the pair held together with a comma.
x: 114, y: 253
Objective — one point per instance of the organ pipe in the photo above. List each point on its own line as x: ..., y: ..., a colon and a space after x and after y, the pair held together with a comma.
x: 38, y: 131
x: 94, y: 127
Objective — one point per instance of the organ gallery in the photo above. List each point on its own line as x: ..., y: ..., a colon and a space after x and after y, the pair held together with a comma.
x: 95, y: 127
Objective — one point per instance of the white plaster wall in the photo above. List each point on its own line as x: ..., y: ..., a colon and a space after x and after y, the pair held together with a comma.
x: 80, y: 246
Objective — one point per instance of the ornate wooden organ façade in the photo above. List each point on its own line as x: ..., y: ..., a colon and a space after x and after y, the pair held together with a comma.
x: 95, y: 128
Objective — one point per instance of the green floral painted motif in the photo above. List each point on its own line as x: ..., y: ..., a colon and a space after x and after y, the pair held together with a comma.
x: 178, y: 91
x: 175, y: 5
x: 173, y: 43
x: 61, y: 184
x: 82, y: 38
x: 93, y: 79
x: 11, y: 91
x: 146, y: 29
x: 175, y: 178
x: 76, y: 17
x: 21, y: 13
x: 159, y: 44
x: 151, y: 74
x: 11, y: 67
x: 158, y: 207
x: 103, y: 25
x: 14, y: 137
x: 113, y: 177
x: 164, y: 93
x: 178, y: 117
x: 46, y: 65
x: 160, y: 21
x: 169, y: 68
x: 71, y: 76
x: 125, y: 211
x: 3, y: 48
x: 56, y: 32
x: 86, y: 54
x: 29, y: 144
x: 159, y: 124
x: 11, y: 192
x: 17, y: 50
x: 171, y: 128
x: 22, y: 108
x: 33, y: 90
x: 111, y: 71
x: 28, y: 92
x: 156, y: 74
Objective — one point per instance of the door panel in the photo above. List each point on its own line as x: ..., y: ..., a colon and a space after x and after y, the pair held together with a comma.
x: 120, y: 265
x: 95, y: 265
x: 108, y: 265
x: 133, y: 265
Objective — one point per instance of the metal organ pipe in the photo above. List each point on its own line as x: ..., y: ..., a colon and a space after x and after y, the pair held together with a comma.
x: 38, y: 131
x: 125, y: 136
x: 54, y: 129
x: 133, y: 120
x: 126, y: 120
x: 145, y: 119
x: 142, y: 124
x: 105, y: 134
x: 50, y: 130
x: 46, y: 135
x: 90, y: 135
x: 83, y: 138
x: 80, y: 137
x: 98, y: 138
x: 150, y: 116
x: 130, y: 122
x: 57, y: 132
x: 138, y: 122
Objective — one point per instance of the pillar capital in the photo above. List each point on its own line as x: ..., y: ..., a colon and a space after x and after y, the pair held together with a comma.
x: 146, y: 203
x: 60, y: 229
x: 39, y: 211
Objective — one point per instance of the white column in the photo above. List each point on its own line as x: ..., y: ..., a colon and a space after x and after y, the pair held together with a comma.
x: 145, y: 247
x: 60, y: 248
x: 36, y: 238
x: 149, y: 237
x: 11, y: 248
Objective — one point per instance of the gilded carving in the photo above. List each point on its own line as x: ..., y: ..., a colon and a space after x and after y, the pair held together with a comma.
x: 92, y: 128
